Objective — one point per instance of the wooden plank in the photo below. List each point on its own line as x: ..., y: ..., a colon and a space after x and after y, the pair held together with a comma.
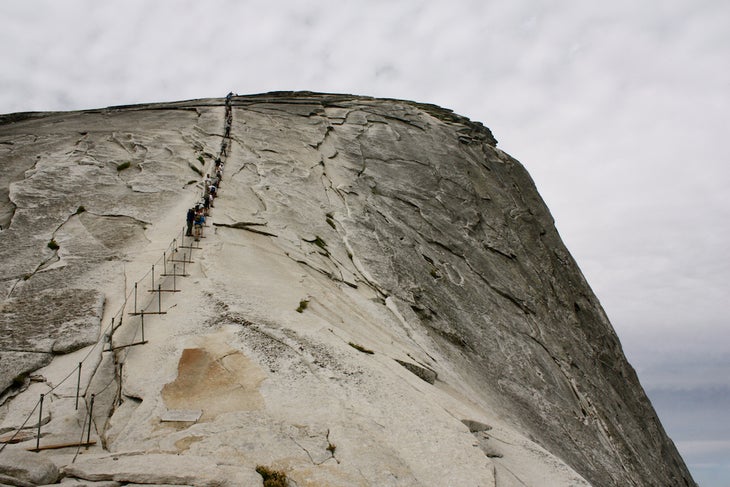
x: 124, y: 346
x: 63, y: 445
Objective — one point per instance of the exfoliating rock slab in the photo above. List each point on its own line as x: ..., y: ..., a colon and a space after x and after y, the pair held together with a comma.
x: 163, y: 469
x: 27, y: 468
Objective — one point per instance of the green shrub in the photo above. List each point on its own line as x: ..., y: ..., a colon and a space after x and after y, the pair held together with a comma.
x: 302, y: 305
x: 53, y: 245
x: 272, y: 478
x: 80, y: 210
x: 201, y: 160
x: 123, y: 166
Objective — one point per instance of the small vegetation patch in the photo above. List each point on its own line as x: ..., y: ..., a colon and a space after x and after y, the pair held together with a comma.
x: 201, y: 160
x: 302, y: 305
x: 53, y: 245
x: 360, y: 348
x: 192, y: 181
x: 272, y: 478
x: 123, y: 166
x: 80, y: 210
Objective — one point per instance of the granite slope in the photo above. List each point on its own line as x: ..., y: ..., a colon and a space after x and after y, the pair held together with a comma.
x: 381, y: 299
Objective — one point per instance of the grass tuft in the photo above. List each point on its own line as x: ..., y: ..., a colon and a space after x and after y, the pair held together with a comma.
x: 302, y: 305
x: 53, y: 245
x: 80, y: 210
x: 272, y: 478
x: 123, y: 166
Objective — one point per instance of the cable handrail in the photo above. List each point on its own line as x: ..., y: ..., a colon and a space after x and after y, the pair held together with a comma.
x: 107, y: 333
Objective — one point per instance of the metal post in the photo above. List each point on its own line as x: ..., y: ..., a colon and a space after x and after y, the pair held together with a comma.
x: 40, y: 420
x: 164, y: 262
x: 153, y: 277
x: 142, y: 325
x: 135, y: 298
x: 185, y: 257
x: 78, y: 385
x: 174, y: 273
x: 91, y: 417
x: 159, y: 298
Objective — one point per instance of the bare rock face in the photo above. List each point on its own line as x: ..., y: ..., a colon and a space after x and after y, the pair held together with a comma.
x: 24, y: 468
x: 381, y: 298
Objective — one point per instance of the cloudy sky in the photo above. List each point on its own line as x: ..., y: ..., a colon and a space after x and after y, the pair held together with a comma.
x: 618, y: 109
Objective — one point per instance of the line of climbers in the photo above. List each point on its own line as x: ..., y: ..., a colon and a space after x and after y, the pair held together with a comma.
x: 211, y: 187
x: 195, y: 218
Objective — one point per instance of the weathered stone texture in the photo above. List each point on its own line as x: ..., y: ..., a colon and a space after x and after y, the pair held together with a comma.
x: 403, y: 228
x: 23, y: 468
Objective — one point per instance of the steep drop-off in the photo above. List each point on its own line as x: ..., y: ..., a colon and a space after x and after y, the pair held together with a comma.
x: 381, y: 299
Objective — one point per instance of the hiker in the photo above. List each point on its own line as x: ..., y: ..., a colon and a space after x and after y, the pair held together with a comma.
x: 189, y: 220
x: 206, y: 205
x: 199, y: 222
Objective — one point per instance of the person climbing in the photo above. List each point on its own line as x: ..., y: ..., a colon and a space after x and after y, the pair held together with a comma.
x: 190, y: 219
x: 199, y: 222
x: 206, y: 204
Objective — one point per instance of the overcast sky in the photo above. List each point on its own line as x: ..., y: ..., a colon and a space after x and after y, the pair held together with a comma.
x: 618, y: 109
